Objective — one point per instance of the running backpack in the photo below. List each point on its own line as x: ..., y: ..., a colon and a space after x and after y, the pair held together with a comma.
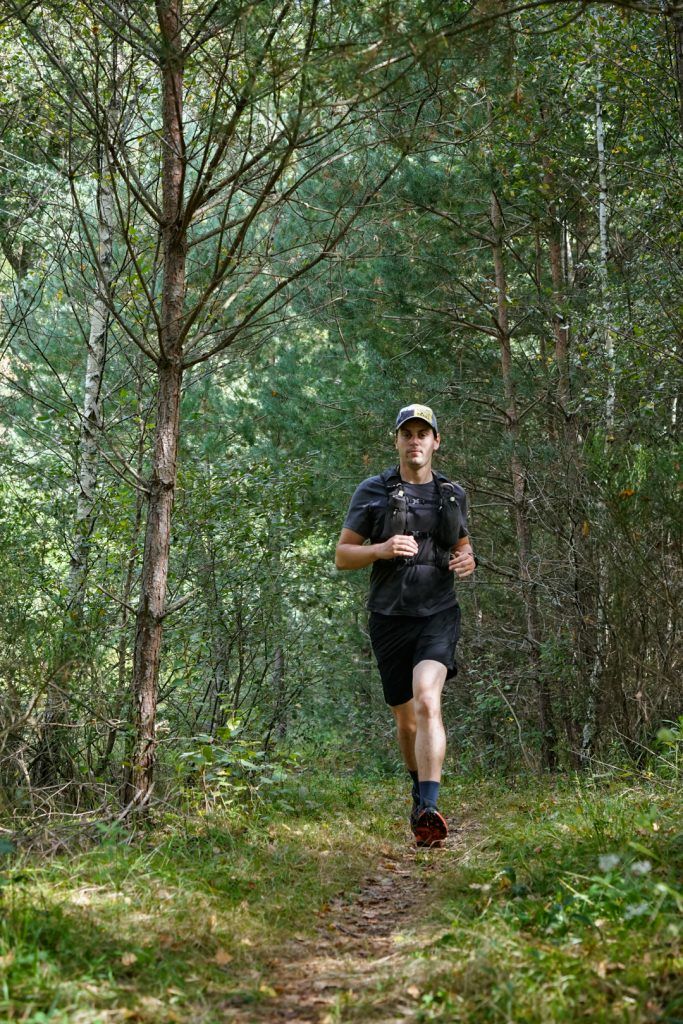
x: 397, y: 516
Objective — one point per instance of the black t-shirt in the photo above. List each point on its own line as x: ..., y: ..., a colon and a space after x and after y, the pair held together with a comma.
x: 399, y: 586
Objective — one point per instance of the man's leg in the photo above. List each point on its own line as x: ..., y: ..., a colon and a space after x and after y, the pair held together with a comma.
x: 406, y: 730
x: 429, y: 826
x: 430, y: 739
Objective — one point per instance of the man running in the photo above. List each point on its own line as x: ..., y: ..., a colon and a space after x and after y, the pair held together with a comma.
x: 410, y: 524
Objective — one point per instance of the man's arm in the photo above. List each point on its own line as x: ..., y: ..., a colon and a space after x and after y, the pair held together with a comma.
x: 462, y: 561
x: 353, y: 553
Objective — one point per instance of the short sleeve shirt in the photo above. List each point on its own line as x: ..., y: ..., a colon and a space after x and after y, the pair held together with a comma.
x: 401, y: 586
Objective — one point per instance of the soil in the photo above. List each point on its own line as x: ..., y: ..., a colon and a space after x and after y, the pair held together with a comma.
x: 362, y: 939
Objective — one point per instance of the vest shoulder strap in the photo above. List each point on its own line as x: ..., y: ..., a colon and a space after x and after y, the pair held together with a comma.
x: 391, y: 478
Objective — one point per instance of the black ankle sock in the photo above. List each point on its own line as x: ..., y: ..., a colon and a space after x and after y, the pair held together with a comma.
x: 416, y: 788
x: 429, y: 794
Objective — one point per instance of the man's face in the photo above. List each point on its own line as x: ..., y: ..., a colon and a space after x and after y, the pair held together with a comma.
x: 416, y: 443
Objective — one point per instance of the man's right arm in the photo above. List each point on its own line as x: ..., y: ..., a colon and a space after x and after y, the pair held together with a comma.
x: 353, y: 553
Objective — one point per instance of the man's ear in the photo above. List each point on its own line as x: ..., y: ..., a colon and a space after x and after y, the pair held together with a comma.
x: 437, y: 441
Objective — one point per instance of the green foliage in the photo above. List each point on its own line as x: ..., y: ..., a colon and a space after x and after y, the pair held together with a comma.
x: 572, y: 904
x: 230, y: 768
x: 183, y: 920
x: 669, y: 763
x: 538, y: 911
x: 279, y: 430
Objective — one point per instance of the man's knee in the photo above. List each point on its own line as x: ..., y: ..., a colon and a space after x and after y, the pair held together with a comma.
x: 406, y: 725
x: 427, y: 704
x: 428, y: 680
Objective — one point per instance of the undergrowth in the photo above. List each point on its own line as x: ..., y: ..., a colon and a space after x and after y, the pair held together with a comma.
x: 561, y: 903
x: 569, y: 907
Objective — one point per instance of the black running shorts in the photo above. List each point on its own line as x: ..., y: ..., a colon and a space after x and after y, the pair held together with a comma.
x: 399, y: 642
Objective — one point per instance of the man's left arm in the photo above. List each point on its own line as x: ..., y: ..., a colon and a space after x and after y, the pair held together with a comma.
x: 462, y: 561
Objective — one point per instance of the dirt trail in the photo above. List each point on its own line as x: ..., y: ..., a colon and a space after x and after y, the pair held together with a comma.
x: 361, y: 939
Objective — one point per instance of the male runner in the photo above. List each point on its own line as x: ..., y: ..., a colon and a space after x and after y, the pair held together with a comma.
x: 411, y: 526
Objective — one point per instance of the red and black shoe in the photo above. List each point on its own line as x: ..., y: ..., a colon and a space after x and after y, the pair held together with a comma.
x: 429, y: 827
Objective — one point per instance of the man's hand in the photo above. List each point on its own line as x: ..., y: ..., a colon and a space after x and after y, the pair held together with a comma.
x: 462, y: 562
x: 402, y: 545
x: 353, y: 553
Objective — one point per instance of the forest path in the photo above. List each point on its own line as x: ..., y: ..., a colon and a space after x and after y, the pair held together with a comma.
x: 362, y: 939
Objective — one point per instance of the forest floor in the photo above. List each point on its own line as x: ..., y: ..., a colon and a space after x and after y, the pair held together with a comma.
x: 553, y: 900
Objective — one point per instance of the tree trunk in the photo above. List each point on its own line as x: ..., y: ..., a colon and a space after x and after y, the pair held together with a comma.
x: 91, y: 419
x: 48, y: 765
x: 520, y: 509
x: 149, y: 621
x: 121, y: 704
x: 149, y: 624
x: 608, y: 331
x: 590, y: 725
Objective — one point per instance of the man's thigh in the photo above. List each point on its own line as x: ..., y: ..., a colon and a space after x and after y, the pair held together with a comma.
x: 428, y: 682
x: 401, y: 643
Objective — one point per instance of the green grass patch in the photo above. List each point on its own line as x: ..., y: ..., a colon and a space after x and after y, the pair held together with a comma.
x: 181, y: 924
x: 567, y: 907
x: 562, y: 903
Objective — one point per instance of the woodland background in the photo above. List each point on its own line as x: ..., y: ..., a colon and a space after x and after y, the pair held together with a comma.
x: 236, y: 238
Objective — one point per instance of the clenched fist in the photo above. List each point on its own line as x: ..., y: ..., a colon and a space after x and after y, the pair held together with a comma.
x: 402, y: 545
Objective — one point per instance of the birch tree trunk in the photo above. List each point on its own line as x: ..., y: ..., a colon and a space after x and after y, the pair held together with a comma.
x: 149, y: 622
x: 47, y: 765
x: 590, y: 725
x: 607, y: 332
x: 91, y: 417
x: 520, y: 506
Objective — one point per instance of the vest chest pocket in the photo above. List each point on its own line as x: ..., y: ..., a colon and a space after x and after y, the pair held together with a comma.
x: 396, y: 515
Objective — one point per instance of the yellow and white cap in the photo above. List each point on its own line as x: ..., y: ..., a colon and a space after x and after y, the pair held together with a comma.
x: 416, y: 412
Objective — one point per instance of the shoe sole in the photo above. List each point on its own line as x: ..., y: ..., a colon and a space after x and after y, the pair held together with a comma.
x: 431, y: 829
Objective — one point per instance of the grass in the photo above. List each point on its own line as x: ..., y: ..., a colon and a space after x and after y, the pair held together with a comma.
x: 183, y: 922
x: 565, y: 905
x: 568, y: 909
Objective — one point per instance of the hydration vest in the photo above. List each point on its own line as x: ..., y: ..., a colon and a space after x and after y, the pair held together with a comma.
x: 399, y: 518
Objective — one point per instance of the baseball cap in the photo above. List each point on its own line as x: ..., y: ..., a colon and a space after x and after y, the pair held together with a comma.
x: 416, y: 412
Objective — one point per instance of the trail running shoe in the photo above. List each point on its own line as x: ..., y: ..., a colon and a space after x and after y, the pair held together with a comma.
x: 414, y: 815
x: 430, y: 827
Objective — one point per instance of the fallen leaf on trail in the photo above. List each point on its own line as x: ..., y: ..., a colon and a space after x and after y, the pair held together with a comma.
x: 7, y: 960
x: 222, y: 957
x: 267, y: 990
x: 246, y: 942
x: 128, y: 958
x: 413, y: 991
x: 604, y: 967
